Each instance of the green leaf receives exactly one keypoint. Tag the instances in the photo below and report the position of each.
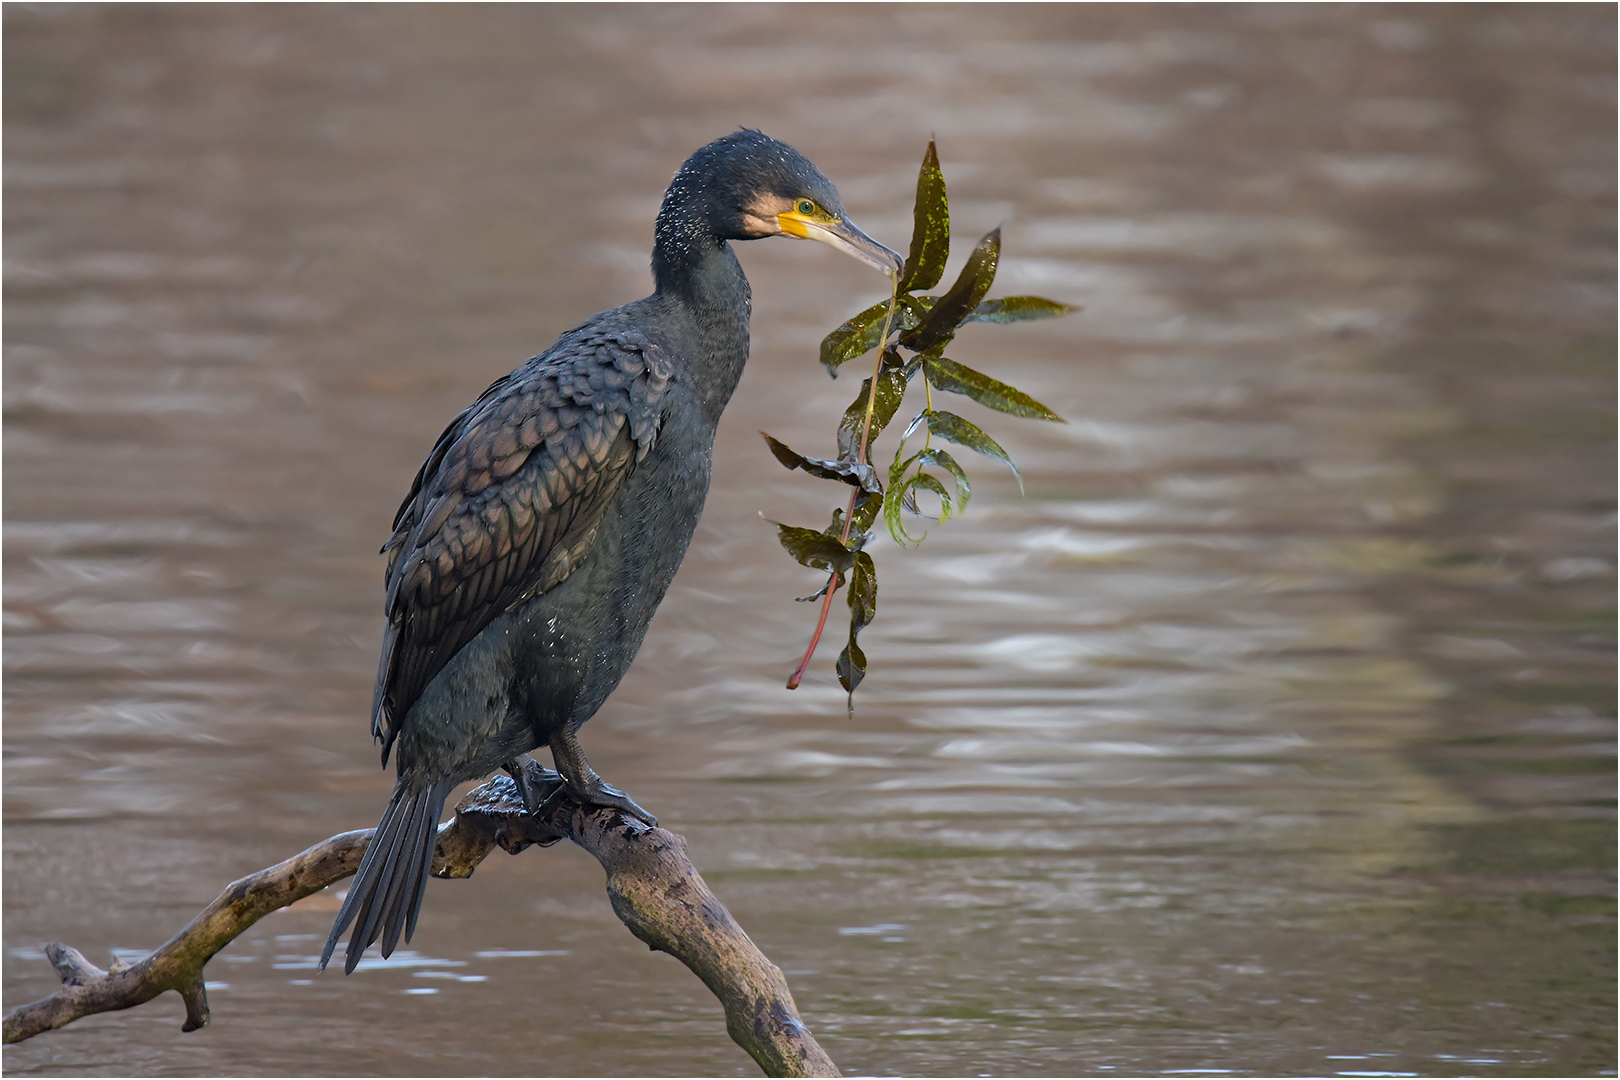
(894, 499)
(862, 608)
(868, 505)
(942, 458)
(891, 388)
(950, 310)
(902, 488)
(862, 592)
(928, 482)
(854, 473)
(959, 431)
(931, 234)
(913, 309)
(851, 667)
(860, 334)
(863, 331)
(1010, 309)
(956, 378)
(814, 549)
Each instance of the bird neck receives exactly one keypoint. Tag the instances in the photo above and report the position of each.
(701, 277)
(690, 259)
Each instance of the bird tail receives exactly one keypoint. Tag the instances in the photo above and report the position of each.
(386, 893)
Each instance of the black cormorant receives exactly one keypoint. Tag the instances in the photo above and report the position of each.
(544, 528)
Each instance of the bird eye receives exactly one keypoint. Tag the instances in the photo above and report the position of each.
(806, 207)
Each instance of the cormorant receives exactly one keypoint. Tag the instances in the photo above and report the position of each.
(544, 528)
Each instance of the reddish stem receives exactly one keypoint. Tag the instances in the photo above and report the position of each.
(849, 514)
(815, 638)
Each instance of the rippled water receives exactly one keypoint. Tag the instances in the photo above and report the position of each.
(1271, 731)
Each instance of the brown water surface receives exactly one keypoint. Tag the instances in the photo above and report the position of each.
(1270, 732)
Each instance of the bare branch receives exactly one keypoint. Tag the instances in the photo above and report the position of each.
(653, 887)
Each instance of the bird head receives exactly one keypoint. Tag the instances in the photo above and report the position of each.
(756, 186)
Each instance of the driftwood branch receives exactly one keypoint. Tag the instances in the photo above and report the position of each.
(653, 887)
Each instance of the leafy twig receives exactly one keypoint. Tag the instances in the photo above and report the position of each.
(922, 325)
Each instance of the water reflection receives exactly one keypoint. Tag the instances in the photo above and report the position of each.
(1272, 732)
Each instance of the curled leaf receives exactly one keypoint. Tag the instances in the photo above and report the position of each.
(854, 473)
(894, 500)
(928, 482)
(902, 492)
(957, 378)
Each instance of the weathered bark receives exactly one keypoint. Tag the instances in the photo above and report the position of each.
(651, 884)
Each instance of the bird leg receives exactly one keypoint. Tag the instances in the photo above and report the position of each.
(532, 800)
(582, 783)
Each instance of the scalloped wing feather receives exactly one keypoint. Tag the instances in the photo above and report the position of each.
(508, 503)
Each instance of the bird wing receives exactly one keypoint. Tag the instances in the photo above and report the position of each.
(508, 503)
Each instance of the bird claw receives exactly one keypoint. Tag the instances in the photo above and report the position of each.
(602, 794)
(582, 782)
(612, 796)
(525, 772)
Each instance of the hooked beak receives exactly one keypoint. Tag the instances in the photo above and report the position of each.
(844, 236)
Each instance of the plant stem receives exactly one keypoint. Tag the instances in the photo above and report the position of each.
(815, 638)
(861, 455)
(871, 395)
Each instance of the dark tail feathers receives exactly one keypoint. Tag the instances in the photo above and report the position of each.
(386, 893)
